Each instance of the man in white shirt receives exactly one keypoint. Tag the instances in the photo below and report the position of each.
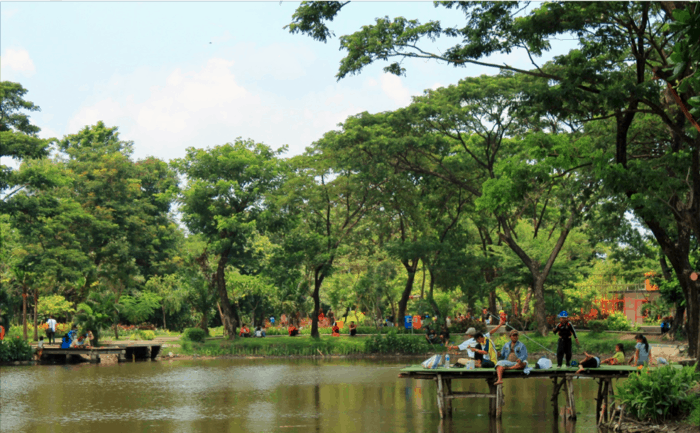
(51, 331)
(471, 342)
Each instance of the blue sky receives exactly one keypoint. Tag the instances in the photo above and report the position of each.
(150, 69)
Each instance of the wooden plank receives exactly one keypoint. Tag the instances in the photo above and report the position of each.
(470, 395)
(446, 396)
(572, 401)
(492, 401)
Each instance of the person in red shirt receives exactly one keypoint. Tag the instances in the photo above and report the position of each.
(245, 332)
(336, 330)
(293, 331)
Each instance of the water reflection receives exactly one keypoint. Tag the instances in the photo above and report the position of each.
(265, 395)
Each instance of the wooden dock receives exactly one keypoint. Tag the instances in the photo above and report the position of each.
(562, 379)
(124, 352)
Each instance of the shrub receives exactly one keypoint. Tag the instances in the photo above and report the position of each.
(15, 349)
(617, 321)
(659, 393)
(694, 418)
(147, 335)
(392, 342)
(460, 327)
(194, 334)
(597, 326)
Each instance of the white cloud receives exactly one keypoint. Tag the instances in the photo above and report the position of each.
(107, 110)
(18, 60)
(394, 89)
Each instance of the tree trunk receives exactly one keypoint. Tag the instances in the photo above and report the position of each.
(204, 323)
(229, 316)
(36, 305)
(540, 310)
(677, 319)
(24, 310)
(318, 281)
(677, 253)
(403, 302)
(165, 327)
(492, 303)
(526, 305)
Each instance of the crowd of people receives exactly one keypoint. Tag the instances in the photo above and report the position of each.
(479, 348)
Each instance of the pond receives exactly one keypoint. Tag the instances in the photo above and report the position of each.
(265, 395)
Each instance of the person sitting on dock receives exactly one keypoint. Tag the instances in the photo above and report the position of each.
(589, 362)
(245, 332)
(514, 356)
(336, 330)
(78, 343)
(484, 352)
(353, 329)
(471, 342)
(642, 355)
(618, 358)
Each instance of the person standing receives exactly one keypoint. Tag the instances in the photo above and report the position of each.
(51, 330)
(565, 330)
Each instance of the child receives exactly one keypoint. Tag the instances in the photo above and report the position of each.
(589, 362)
(336, 330)
(642, 355)
(293, 331)
(245, 332)
(618, 358)
(39, 348)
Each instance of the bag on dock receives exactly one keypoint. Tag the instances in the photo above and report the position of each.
(433, 362)
(544, 364)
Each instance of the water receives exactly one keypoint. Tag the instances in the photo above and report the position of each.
(265, 395)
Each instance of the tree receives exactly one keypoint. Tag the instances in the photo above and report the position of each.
(622, 49)
(18, 137)
(224, 201)
(131, 234)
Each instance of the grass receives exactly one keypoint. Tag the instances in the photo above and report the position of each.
(275, 347)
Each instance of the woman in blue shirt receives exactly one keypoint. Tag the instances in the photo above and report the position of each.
(642, 354)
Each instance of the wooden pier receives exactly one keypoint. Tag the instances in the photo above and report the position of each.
(124, 352)
(562, 379)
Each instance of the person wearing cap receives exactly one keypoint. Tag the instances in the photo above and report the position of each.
(471, 342)
(565, 330)
(514, 356)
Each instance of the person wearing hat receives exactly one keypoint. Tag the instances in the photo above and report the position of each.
(565, 330)
(471, 342)
(514, 356)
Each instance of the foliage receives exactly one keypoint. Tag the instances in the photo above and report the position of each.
(54, 305)
(694, 417)
(15, 349)
(617, 321)
(96, 313)
(395, 343)
(462, 326)
(147, 335)
(194, 334)
(597, 326)
(658, 393)
(137, 309)
(277, 347)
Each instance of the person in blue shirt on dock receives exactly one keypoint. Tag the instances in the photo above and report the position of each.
(514, 356)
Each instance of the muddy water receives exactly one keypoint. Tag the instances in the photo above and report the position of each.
(265, 395)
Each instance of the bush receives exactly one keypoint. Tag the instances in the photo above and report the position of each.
(659, 393)
(617, 321)
(147, 335)
(694, 418)
(597, 326)
(461, 327)
(194, 334)
(15, 349)
(395, 343)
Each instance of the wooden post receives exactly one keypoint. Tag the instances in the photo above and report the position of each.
(599, 401)
(611, 393)
(499, 401)
(555, 396)
(448, 382)
(570, 397)
(492, 401)
(440, 398)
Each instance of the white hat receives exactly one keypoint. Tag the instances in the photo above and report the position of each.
(471, 331)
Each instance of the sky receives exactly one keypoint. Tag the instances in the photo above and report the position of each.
(173, 75)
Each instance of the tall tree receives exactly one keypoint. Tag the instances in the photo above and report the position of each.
(224, 201)
(18, 136)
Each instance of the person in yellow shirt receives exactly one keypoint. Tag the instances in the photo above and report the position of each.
(618, 358)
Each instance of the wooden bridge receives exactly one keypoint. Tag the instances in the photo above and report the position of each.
(562, 379)
(124, 352)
